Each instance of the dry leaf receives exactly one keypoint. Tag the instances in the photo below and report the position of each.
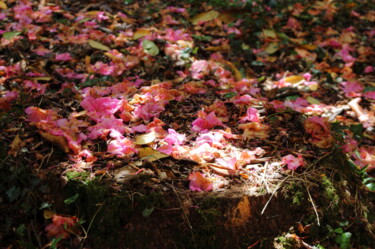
(47, 214)
(15, 146)
(145, 138)
(98, 45)
(272, 48)
(204, 17)
(151, 154)
(141, 33)
(312, 100)
(57, 140)
(43, 78)
(294, 79)
(269, 33)
(3, 5)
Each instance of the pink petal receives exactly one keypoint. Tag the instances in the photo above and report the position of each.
(199, 183)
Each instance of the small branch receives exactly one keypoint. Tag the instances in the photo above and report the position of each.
(274, 192)
(313, 205)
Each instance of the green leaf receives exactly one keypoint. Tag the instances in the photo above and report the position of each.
(21, 230)
(369, 89)
(55, 242)
(150, 47)
(229, 95)
(339, 230)
(13, 193)
(98, 45)
(357, 130)
(147, 211)
(371, 186)
(71, 199)
(344, 240)
(10, 34)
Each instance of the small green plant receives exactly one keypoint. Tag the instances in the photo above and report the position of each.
(341, 237)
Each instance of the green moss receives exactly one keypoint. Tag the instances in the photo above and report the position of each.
(296, 193)
(285, 242)
(77, 176)
(329, 192)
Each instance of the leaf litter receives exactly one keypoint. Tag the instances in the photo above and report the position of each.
(243, 103)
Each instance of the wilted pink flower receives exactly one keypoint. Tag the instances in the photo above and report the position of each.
(101, 107)
(172, 9)
(35, 114)
(175, 35)
(345, 54)
(103, 68)
(252, 115)
(63, 57)
(228, 164)
(293, 162)
(174, 138)
(107, 126)
(121, 147)
(351, 89)
(41, 51)
(199, 69)
(33, 85)
(369, 69)
(350, 145)
(101, 16)
(60, 226)
(369, 95)
(320, 132)
(149, 110)
(214, 139)
(198, 182)
(205, 122)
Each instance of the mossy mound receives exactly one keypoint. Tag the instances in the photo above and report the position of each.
(313, 207)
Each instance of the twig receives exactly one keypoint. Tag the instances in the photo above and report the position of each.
(274, 192)
(314, 207)
(185, 215)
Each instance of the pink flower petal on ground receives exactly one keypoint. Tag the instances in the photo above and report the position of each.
(293, 162)
(35, 114)
(121, 147)
(114, 127)
(174, 138)
(369, 69)
(214, 139)
(198, 182)
(199, 69)
(318, 128)
(351, 89)
(63, 57)
(369, 95)
(99, 107)
(149, 110)
(205, 122)
(229, 164)
(252, 115)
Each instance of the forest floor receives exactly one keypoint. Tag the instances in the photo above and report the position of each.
(182, 124)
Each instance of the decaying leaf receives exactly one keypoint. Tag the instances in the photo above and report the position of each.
(60, 141)
(295, 79)
(204, 17)
(151, 154)
(141, 33)
(98, 45)
(145, 138)
(3, 5)
(15, 146)
(150, 47)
